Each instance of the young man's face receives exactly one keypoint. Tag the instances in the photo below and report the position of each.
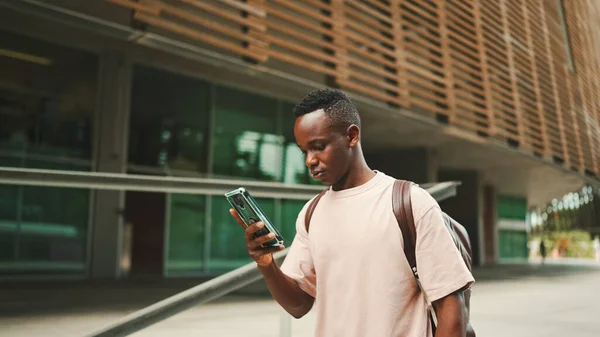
(328, 152)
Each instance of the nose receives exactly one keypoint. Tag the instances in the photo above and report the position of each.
(311, 160)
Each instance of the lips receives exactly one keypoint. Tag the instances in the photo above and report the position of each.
(317, 174)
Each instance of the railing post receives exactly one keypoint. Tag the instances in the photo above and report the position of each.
(285, 324)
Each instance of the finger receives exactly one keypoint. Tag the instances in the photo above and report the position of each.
(272, 250)
(237, 218)
(258, 253)
(255, 227)
(256, 243)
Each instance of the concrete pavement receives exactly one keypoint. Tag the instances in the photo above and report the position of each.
(515, 301)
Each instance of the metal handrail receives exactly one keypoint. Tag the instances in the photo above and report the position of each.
(207, 291)
(147, 183)
(219, 286)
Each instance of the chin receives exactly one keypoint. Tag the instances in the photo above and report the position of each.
(326, 181)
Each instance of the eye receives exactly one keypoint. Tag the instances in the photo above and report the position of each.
(319, 147)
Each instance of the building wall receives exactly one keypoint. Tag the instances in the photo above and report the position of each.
(521, 72)
(501, 81)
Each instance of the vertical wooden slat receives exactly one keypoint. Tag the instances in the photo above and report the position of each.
(449, 78)
(496, 55)
(553, 84)
(484, 68)
(575, 13)
(547, 99)
(370, 45)
(546, 150)
(339, 40)
(588, 24)
(422, 50)
(401, 72)
(594, 21)
(573, 112)
(561, 70)
(523, 143)
(583, 89)
(257, 45)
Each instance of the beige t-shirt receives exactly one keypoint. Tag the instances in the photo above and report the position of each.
(353, 262)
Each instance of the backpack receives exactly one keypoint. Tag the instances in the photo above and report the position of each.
(402, 208)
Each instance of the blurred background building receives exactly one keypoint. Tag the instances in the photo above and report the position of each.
(502, 95)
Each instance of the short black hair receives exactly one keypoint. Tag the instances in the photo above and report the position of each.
(337, 106)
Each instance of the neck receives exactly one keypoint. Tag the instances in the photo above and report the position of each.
(358, 174)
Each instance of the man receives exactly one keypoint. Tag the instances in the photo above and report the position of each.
(353, 262)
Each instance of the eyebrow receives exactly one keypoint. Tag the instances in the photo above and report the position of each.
(317, 140)
(320, 139)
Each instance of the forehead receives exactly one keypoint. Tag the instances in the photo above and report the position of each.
(311, 125)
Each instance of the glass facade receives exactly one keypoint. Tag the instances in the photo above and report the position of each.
(512, 244)
(47, 102)
(512, 228)
(246, 142)
(227, 245)
(169, 123)
(178, 126)
(186, 234)
(289, 214)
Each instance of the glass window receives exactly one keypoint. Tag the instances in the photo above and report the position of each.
(169, 123)
(47, 100)
(294, 164)
(294, 167)
(289, 214)
(47, 103)
(246, 143)
(46, 231)
(9, 215)
(227, 244)
(187, 218)
(53, 226)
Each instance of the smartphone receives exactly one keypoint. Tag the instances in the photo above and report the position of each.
(248, 209)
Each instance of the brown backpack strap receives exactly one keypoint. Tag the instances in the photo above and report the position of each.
(311, 209)
(403, 210)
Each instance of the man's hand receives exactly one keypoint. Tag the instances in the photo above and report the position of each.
(451, 316)
(284, 289)
(262, 256)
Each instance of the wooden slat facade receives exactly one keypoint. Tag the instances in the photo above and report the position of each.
(496, 68)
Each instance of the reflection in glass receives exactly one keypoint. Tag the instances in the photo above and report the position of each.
(47, 229)
(260, 153)
(246, 143)
(169, 123)
(294, 166)
(187, 217)
(47, 99)
(227, 244)
(47, 103)
(289, 214)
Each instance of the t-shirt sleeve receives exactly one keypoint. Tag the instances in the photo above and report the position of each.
(441, 268)
(298, 263)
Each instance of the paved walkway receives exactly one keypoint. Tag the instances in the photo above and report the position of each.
(514, 301)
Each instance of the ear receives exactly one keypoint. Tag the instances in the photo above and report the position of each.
(353, 135)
